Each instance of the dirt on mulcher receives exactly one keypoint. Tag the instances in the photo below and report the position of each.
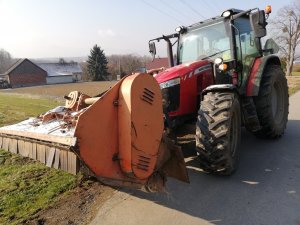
(78, 207)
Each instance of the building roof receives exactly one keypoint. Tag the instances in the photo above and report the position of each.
(16, 64)
(60, 69)
(158, 63)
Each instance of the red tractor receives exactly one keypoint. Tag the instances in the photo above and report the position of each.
(227, 79)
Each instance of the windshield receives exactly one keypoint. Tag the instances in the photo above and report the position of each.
(205, 42)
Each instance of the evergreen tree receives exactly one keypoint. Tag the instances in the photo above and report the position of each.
(97, 64)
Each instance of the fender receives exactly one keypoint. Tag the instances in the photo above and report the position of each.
(219, 87)
(257, 72)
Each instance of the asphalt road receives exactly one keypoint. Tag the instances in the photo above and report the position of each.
(264, 190)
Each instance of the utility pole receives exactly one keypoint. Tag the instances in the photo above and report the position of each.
(119, 65)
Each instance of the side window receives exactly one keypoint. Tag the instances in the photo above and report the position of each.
(247, 49)
(246, 38)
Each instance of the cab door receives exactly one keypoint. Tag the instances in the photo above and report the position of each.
(247, 48)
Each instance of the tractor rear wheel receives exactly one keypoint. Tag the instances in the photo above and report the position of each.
(218, 133)
(272, 103)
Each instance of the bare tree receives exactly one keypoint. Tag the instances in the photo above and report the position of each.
(62, 61)
(5, 60)
(85, 75)
(286, 29)
(126, 64)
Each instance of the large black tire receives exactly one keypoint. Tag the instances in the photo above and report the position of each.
(218, 133)
(272, 103)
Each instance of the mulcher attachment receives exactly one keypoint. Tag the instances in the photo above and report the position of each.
(43, 139)
(116, 136)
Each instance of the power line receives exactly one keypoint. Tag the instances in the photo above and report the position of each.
(216, 3)
(210, 6)
(162, 12)
(178, 12)
(191, 8)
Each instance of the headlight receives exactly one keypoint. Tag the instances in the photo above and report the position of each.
(226, 14)
(218, 61)
(170, 83)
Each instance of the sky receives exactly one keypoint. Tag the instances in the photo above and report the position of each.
(70, 28)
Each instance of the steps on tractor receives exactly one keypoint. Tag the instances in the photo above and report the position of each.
(249, 114)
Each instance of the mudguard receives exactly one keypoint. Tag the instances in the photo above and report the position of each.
(218, 87)
(257, 71)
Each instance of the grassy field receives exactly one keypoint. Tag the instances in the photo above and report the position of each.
(294, 84)
(295, 73)
(59, 90)
(26, 186)
(15, 108)
(296, 70)
(93, 88)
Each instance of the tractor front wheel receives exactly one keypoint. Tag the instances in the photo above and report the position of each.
(218, 133)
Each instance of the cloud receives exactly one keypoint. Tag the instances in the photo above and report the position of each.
(106, 33)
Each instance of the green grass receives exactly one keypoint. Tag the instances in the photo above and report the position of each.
(27, 186)
(294, 89)
(294, 84)
(295, 73)
(14, 108)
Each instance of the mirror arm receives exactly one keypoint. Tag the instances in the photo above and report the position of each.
(163, 37)
(169, 46)
(169, 51)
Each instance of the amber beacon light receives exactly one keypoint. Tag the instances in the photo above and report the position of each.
(268, 9)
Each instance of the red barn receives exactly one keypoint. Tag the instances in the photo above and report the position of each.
(25, 73)
(158, 63)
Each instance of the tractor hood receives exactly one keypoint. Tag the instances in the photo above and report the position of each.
(181, 71)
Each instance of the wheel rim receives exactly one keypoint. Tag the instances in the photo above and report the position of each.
(277, 102)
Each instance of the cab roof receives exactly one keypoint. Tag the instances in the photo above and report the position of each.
(215, 19)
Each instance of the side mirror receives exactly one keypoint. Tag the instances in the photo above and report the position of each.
(152, 49)
(258, 23)
(271, 45)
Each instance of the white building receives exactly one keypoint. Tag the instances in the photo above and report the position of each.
(58, 73)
